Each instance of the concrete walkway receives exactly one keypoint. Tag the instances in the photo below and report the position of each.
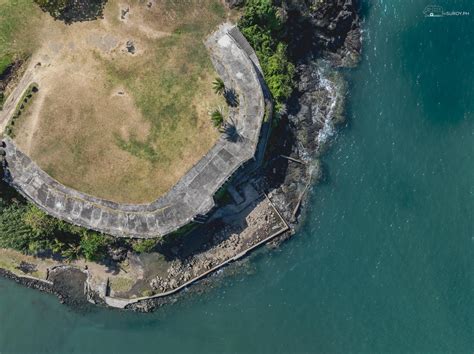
(193, 194)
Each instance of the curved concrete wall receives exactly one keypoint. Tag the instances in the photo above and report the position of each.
(193, 194)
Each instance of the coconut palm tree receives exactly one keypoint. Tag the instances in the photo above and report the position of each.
(72, 252)
(218, 86)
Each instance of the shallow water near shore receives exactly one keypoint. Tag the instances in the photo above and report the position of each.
(384, 260)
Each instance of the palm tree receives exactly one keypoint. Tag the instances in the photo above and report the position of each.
(72, 252)
(218, 86)
(217, 117)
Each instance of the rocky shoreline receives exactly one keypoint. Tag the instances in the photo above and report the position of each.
(66, 285)
(332, 38)
(313, 114)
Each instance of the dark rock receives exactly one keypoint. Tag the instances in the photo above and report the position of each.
(330, 29)
(130, 47)
(117, 254)
(69, 286)
(27, 267)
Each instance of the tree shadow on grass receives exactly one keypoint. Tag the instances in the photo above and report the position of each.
(71, 11)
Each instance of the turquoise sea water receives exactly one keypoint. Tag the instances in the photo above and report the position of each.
(384, 261)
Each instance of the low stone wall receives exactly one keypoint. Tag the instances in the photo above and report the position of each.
(193, 194)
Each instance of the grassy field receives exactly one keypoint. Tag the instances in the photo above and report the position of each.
(122, 110)
(18, 20)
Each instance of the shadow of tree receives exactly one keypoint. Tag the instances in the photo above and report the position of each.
(231, 132)
(231, 97)
(71, 11)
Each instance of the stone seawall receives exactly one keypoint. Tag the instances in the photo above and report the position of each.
(193, 194)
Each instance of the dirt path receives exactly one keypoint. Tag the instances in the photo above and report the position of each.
(34, 120)
(15, 96)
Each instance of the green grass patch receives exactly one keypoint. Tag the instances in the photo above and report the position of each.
(164, 86)
(17, 29)
(144, 246)
(5, 62)
(18, 35)
(120, 284)
(137, 148)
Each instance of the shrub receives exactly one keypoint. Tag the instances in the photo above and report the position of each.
(2, 100)
(218, 86)
(217, 118)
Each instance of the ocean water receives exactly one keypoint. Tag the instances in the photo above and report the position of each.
(384, 261)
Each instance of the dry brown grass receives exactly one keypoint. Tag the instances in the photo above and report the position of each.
(121, 126)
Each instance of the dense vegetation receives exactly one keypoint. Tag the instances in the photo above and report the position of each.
(26, 228)
(263, 27)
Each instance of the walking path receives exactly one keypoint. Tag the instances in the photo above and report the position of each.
(193, 194)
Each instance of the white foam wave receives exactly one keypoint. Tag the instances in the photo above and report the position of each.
(328, 130)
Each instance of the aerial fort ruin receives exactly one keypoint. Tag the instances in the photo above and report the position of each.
(192, 197)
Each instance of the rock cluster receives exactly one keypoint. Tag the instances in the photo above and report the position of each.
(328, 28)
(226, 243)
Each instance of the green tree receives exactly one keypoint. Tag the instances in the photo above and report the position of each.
(263, 14)
(14, 233)
(280, 73)
(93, 246)
(218, 86)
(42, 224)
(72, 252)
(54, 7)
(262, 25)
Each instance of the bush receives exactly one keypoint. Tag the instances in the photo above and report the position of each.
(144, 246)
